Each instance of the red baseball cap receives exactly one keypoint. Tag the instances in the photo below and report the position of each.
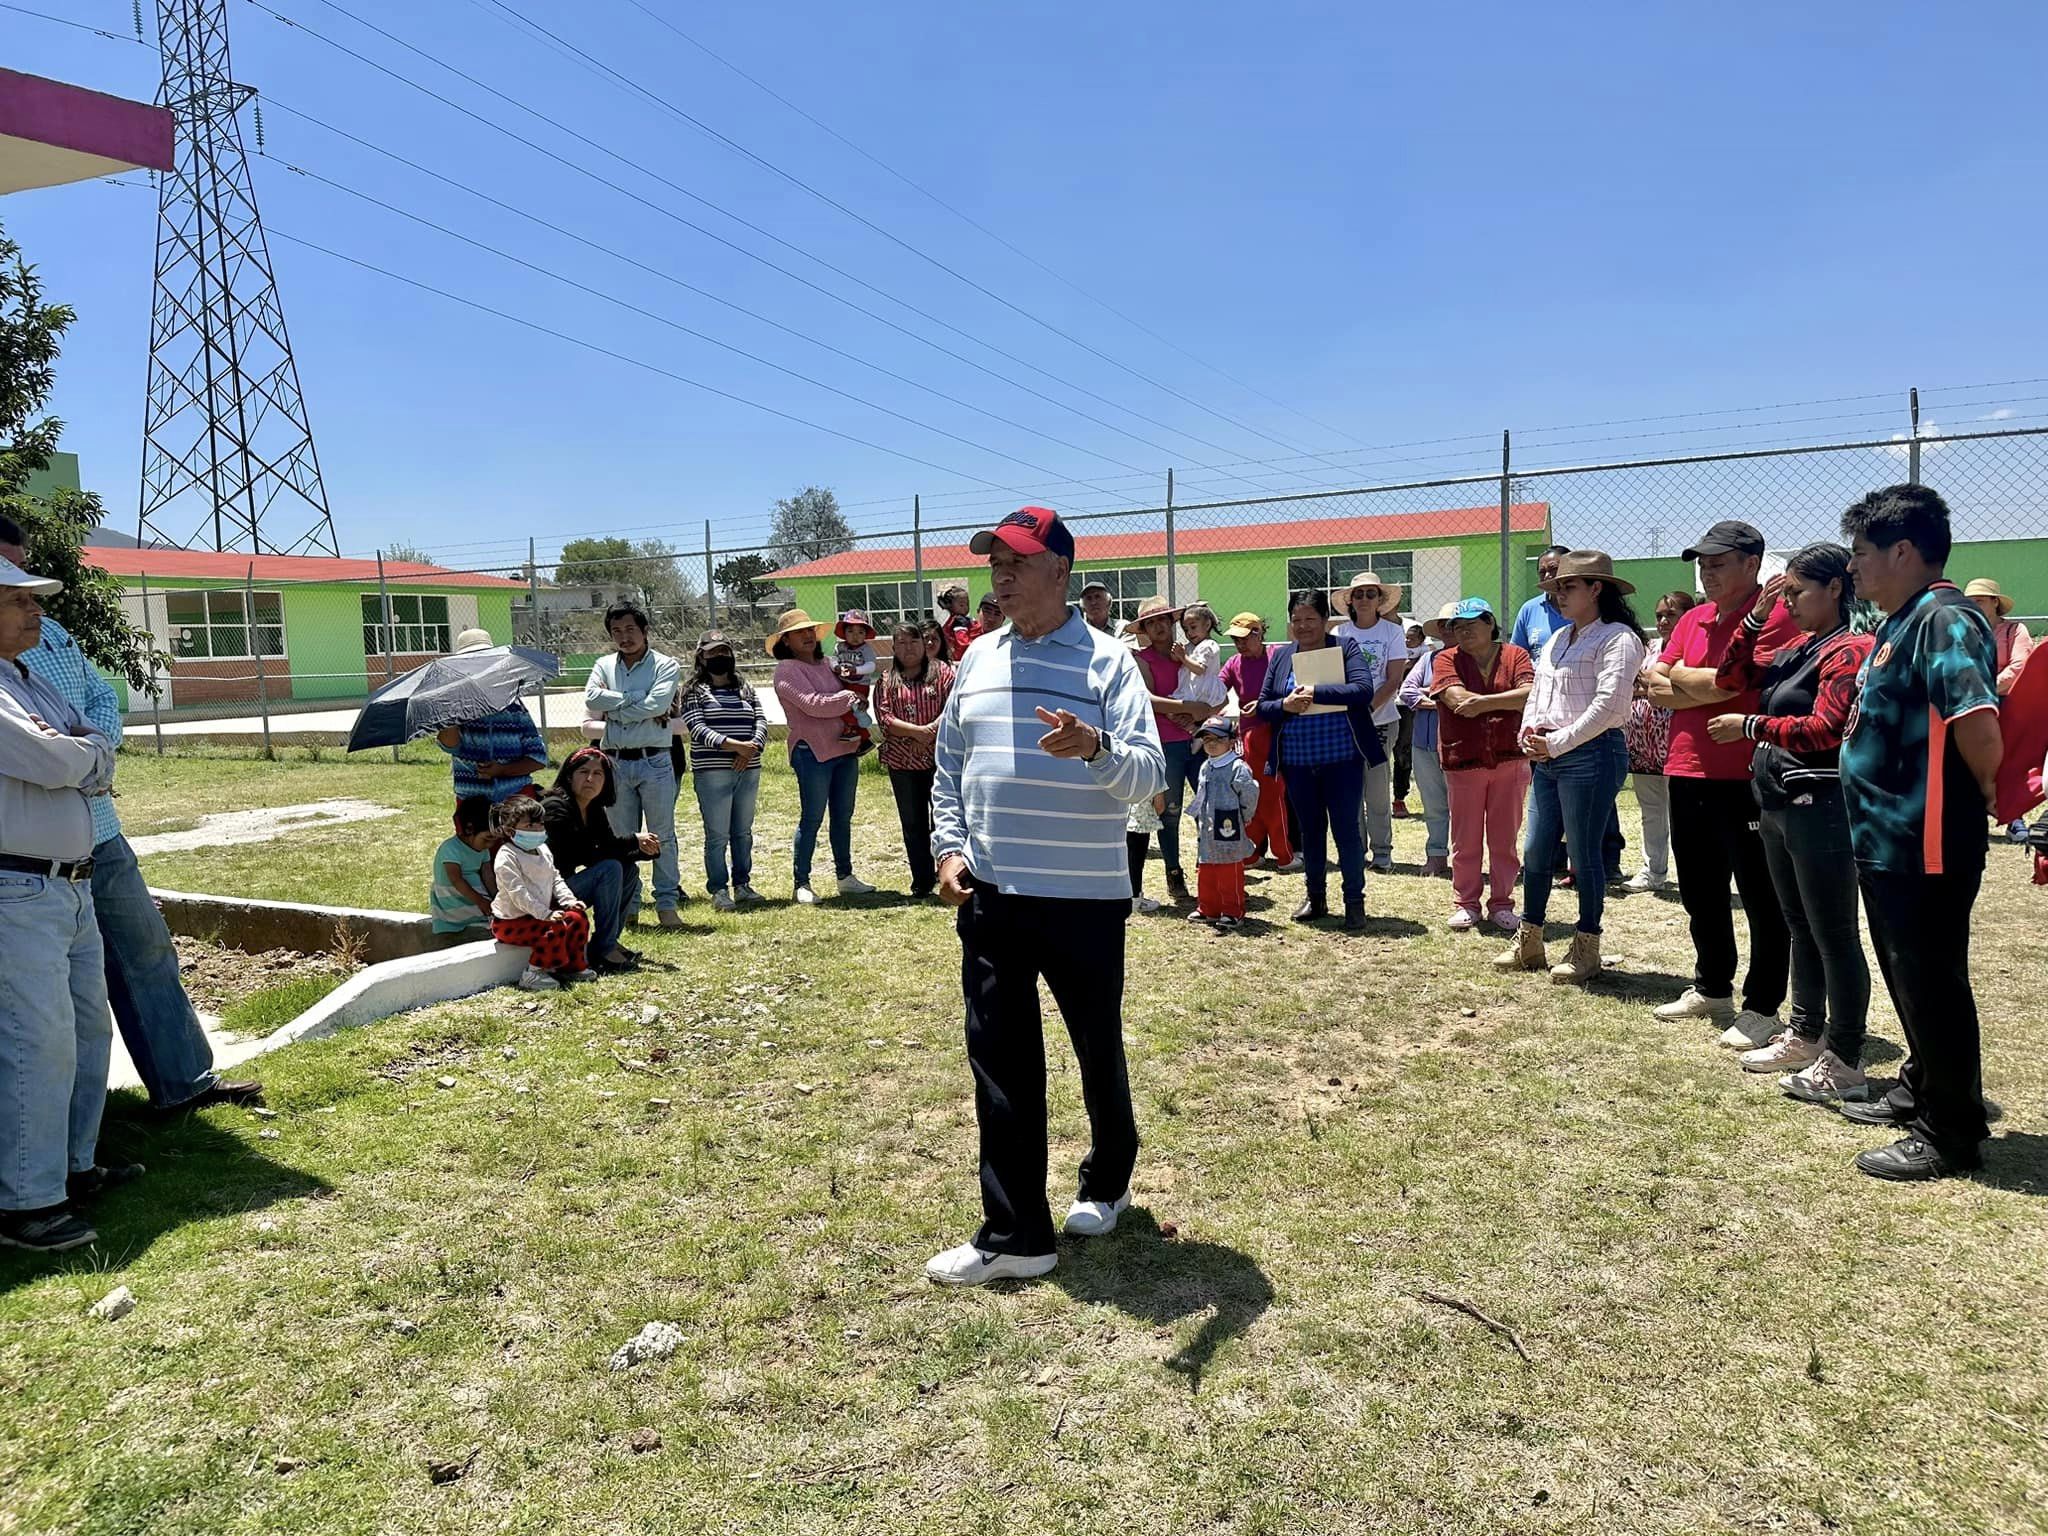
(1029, 531)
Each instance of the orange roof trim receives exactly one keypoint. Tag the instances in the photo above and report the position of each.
(1242, 538)
(165, 565)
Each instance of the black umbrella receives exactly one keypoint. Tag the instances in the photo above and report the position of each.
(448, 691)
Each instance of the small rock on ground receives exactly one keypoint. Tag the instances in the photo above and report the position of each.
(656, 1341)
(644, 1440)
(115, 1305)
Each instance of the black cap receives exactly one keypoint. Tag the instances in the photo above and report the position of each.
(1727, 538)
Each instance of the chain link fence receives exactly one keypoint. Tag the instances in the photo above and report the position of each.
(276, 647)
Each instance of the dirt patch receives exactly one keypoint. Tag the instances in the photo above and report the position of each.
(217, 977)
(260, 825)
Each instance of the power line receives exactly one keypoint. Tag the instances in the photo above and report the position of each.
(656, 176)
(683, 283)
(975, 224)
(82, 26)
(892, 237)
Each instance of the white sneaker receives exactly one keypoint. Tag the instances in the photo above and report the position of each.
(531, 980)
(1293, 866)
(1752, 1031)
(1143, 904)
(1095, 1218)
(744, 892)
(806, 897)
(1463, 919)
(969, 1265)
(721, 901)
(1643, 880)
(1786, 1052)
(1694, 1004)
(853, 886)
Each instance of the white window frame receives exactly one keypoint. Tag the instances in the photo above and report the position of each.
(1122, 608)
(1351, 562)
(211, 601)
(886, 617)
(434, 636)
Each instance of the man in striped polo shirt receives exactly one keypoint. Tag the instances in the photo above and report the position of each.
(1046, 740)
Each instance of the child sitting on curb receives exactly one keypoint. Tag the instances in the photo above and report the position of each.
(534, 907)
(464, 884)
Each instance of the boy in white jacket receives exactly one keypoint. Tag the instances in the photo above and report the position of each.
(534, 906)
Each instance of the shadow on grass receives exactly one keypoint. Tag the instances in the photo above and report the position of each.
(2016, 1161)
(1159, 1280)
(197, 1170)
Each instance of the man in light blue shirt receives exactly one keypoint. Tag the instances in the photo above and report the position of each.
(635, 691)
(157, 1021)
(1046, 741)
(1538, 619)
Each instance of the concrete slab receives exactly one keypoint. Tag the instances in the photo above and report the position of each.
(228, 1051)
(416, 981)
(245, 923)
(260, 826)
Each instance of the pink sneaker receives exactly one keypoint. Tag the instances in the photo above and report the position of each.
(1829, 1080)
(1784, 1052)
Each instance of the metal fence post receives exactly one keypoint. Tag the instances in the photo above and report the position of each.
(1172, 578)
(256, 650)
(1506, 529)
(710, 587)
(384, 634)
(156, 715)
(1913, 447)
(540, 689)
(917, 555)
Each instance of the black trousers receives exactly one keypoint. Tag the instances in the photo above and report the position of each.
(1714, 837)
(913, 790)
(1808, 850)
(1404, 753)
(1136, 846)
(1920, 928)
(1006, 944)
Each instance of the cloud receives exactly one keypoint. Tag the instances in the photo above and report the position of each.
(1900, 447)
(2003, 413)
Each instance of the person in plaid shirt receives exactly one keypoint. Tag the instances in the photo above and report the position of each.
(909, 696)
(158, 1024)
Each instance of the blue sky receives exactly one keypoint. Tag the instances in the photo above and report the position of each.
(1407, 223)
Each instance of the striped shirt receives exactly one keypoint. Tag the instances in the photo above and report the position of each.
(1584, 685)
(918, 703)
(1026, 822)
(716, 716)
(502, 737)
(58, 661)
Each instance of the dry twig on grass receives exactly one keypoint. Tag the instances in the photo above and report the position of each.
(1459, 1304)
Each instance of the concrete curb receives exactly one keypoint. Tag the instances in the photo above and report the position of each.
(414, 981)
(258, 926)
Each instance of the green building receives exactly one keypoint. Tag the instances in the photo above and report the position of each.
(1436, 556)
(311, 626)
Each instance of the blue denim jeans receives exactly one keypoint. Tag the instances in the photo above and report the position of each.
(158, 1025)
(1428, 771)
(602, 888)
(1327, 801)
(54, 1038)
(1573, 794)
(823, 788)
(1183, 772)
(647, 791)
(726, 798)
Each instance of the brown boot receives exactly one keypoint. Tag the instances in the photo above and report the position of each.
(1581, 961)
(1526, 953)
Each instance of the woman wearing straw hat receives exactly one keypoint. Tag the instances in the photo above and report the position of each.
(1176, 720)
(1374, 604)
(1572, 733)
(826, 764)
(2015, 642)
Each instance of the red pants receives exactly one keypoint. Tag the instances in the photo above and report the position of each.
(559, 943)
(1268, 826)
(1219, 889)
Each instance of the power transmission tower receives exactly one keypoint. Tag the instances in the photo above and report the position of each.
(227, 454)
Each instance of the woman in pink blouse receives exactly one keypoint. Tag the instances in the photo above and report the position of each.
(910, 695)
(826, 764)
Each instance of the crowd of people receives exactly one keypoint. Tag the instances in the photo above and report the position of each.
(1037, 751)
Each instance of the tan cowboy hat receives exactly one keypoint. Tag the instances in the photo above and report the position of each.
(1984, 586)
(1390, 592)
(1151, 608)
(1587, 564)
(792, 621)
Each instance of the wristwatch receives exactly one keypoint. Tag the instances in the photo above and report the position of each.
(1098, 747)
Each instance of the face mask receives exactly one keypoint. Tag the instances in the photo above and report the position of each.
(718, 666)
(529, 839)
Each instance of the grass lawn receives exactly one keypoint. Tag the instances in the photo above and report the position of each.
(1728, 1329)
